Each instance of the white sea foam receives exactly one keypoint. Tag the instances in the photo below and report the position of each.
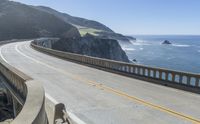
(180, 45)
(141, 48)
(137, 44)
(128, 49)
(132, 41)
(140, 43)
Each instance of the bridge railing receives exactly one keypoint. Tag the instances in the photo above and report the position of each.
(28, 93)
(177, 79)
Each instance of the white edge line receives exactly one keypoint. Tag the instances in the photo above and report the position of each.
(1, 55)
(51, 98)
(71, 115)
(75, 118)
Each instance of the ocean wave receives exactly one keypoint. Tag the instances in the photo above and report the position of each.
(198, 51)
(141, 48)
(140, 43)
(180, 45)
(128, 49)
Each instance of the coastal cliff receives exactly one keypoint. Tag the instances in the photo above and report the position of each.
(92, 46)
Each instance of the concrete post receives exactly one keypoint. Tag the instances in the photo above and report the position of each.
(180, 79)
(149, 72)
(188, 80)
(142, 70)
(133, 70)
(60, 114)
(173, 77)
(9, 97)
(197, 82)
(129, 67)
(166, 76)
(154, 73)
(14, 107)
(160, 75)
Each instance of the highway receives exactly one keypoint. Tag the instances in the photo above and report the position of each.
(98, 97)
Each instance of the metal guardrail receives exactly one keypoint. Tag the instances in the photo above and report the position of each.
(177, 79)
(29, 93)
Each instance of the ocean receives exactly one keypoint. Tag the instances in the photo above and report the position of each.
(182, 55)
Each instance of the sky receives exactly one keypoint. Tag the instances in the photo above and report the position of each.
(133, 17)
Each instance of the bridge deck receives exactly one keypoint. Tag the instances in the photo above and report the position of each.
(101, 97)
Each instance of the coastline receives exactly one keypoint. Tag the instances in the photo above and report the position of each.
(182, 54)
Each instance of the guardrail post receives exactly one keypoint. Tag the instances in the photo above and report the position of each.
(129, 69)
(197, 82)
(160, 75)
(188, 80)
(136, 70)
(14, 107)
(173, 77)
(109, 65)
(133, 69)
(154, 74)
(166, 76)
(149, 72)
(60, 114)
(142, 71)
(180, 78)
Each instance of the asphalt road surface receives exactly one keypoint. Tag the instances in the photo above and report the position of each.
(98, 97)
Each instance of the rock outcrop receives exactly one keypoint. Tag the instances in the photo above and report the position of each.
(92, 46)
(110, 35)
(131, 38)
(166, 42)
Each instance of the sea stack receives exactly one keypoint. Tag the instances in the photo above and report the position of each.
(166, 42)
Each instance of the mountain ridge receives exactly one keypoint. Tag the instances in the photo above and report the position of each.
(20, 21)
(88, 26)
(78, 21)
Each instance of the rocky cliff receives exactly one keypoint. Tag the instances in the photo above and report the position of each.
(92, 46)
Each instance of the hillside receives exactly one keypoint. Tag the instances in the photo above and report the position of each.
(76, 21)
(18, 21)
(87, 26)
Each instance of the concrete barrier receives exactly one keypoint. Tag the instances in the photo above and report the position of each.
(29, 93)
(33, 111)
(56, 112)
(177, 79)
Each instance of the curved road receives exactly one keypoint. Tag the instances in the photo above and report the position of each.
(99, 97)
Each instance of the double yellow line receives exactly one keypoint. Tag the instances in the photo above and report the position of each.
(117, 92)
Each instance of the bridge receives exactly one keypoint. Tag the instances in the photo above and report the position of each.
(94, 90)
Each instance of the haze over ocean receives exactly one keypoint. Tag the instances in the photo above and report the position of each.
(183, 54)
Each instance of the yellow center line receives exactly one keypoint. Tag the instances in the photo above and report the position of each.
(117, 92)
